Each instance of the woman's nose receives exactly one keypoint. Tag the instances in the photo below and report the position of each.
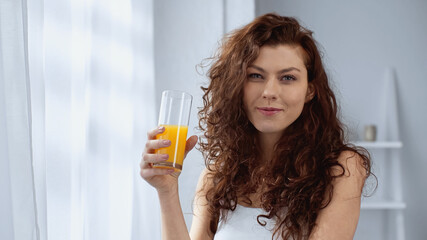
(270, 90)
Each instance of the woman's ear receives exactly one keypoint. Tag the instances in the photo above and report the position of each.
(310, 92)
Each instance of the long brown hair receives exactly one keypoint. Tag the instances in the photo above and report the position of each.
(297, 183)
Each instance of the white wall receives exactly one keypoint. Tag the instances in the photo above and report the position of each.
(360, 40)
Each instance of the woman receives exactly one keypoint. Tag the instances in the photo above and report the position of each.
(277, 166)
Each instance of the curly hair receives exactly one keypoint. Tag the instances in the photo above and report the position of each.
(297, 183)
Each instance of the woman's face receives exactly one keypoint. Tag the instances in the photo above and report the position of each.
(276, 88)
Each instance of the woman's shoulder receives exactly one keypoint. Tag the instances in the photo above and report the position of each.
(350, 175)
(205, 179)
(353, 164)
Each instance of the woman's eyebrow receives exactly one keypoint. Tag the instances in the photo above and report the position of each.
(280, 71)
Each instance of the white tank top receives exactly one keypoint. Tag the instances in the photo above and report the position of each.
(242, 224)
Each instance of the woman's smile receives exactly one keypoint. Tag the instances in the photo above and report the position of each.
(269, 111)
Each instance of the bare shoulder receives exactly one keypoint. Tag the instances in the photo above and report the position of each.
(338, 220)
(353, 164)
(205, 181)
(350, 179)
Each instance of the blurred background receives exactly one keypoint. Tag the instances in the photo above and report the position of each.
(81, 81)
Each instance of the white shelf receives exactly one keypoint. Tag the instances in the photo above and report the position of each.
(387, 153)
(383, 205)
(380, 144)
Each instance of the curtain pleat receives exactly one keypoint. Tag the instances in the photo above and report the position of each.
(18, 218)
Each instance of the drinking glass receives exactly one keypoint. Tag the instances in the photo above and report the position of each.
(174, 115)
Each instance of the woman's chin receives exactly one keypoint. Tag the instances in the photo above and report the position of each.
(270, 129)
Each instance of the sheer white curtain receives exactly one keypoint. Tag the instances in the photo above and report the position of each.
(77, 100)
(17, 202)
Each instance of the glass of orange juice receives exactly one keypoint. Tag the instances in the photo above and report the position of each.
(174, 115)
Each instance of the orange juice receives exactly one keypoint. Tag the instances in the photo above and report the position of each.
(178, 136)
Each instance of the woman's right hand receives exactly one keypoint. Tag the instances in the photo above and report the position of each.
(157, 177)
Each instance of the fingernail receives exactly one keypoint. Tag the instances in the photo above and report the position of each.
(165, 156)
(166, 142)
(161, 128)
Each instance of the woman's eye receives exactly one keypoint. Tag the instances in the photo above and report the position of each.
(289, 78)
(255, 76)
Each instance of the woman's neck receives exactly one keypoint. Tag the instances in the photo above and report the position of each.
(268, 142)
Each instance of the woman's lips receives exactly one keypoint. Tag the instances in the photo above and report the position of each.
(268, 111)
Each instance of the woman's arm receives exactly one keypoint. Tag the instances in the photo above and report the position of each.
(339, 219)
(173, 224)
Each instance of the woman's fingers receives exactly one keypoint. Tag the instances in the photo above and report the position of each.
(151, 145)
(149, 157)
(152, 133)
(151, 172)
(154, 158)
